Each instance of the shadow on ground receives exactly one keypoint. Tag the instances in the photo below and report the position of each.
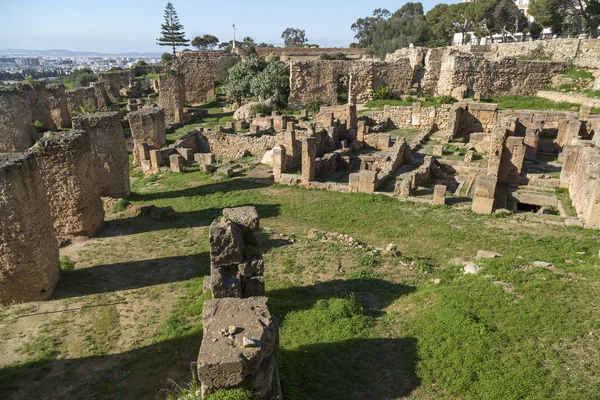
(130, 275)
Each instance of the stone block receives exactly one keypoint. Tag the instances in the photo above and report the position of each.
(439, 195)
(185, 153)
(176, 162)
(246, 216)
(226, 244)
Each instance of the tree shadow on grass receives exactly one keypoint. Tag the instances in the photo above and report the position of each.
(130, 275)
(374, 369)
(183, 219)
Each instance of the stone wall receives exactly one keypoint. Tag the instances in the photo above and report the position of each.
(228, 146)
(29, 261)
(39, 98)
(16, 130)
(584, 184)
(199, 67)
(91, 99)
(148, 126)
(499, 77)
(68, 176)
(109, 151)
(115, 81)
(58, 104)
(304, 51)
(172, 94)
(323, 81)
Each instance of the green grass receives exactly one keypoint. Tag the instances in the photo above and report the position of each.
(531, 103)
(66, 264)
(575, 73)
(430, 102)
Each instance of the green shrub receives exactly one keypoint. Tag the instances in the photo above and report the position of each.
(233, 394)
(120, 205)
(445, 99)
(314, 106)
(261, 108)
(141, 63)
(66, 264)
(335, 56)
(222, 69)
(39, 127)
(381, 93)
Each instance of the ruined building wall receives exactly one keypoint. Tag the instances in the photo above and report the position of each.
(29, 261)
(148, 126)
(39, 98)
(228, 146)
(71, 189)
(199, 68)
(584, 185)
(109, 151)
(16, 130)
(59, 110)
(505, 76)
(172, 94)
(115, 81)
(322, 81)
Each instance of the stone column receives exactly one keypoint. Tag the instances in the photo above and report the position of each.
(309, 153)
(570, 155)
(172, 94)
(29, 261)
(495, 153)
(278, 162)
(513, 155)
(439, 195)
(532, 139)
(485, 190)
(68, 176)
(109, 151)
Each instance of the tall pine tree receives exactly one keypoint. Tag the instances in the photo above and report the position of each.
(172, 30)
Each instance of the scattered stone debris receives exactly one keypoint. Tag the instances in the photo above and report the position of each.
(481, 254)
(156, 213)
(471, 268)
(344, 239)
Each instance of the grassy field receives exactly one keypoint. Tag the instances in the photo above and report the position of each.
(125, 323)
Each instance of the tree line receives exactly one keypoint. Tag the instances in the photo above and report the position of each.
(383, 32)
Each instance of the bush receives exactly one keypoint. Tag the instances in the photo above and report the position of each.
(66, 264)
(141, 63)
(261, 108)
(120, 205)
(335, 56)
(84, 79)
(222, 68)
(233, 394)
(39, 127)
(445, 100)
(166, 58)
(381, 93)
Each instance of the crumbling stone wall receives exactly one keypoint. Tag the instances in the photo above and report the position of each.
(584, 184)
(59, 109)
(39, 98)
(29, 263)
(233, 272)
(199, 68)
(148, 126)
(228, 146)
(238, 348)
(71, 189)
(504, 76)
(322, 81)
(346, 113)
(172, 94)
(115, 81)
(109, 151)
(91, 99)
(16, 130)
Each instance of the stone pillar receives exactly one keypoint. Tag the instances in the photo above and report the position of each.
(239, 342)
(496, 147)
(59, 108)
(416, 114)
(485, 190)
(29, 261)
(289, 141)
(570, 156)
(109, 151)
(353, 181)
(592, 216)
(155, 160)
(513, 155)
(309, 153)
(148, 125)
(532, 139)
(439, 195)
(68, 176)
(366, 181)
(361, 131)
(16, 130)
(172, 94)
(568, 132)
(176, 162)
(327, 119)
(333, 139)
(278, 162)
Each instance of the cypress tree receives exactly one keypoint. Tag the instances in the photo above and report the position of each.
(172, 30)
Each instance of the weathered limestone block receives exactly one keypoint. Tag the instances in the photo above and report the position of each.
(485, 190)
(532, 140)
(366, 181)
(226, 244)
(439, 195)
(497, 138)
(402, 188)
(68, 176)
(16, 129)
(438, 151)
(148, 125)
(279, 155)
(186, 153)
(309, 153)
(176, 162)
(383, 141)
(109, 151)
(570, 155)
(29, 263)
(238, 347)
(246, 216)
(511, 164)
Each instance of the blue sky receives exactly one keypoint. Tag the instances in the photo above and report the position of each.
(133, 25)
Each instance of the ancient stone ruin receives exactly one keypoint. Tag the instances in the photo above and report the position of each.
(71, 187)
(109, 151)
(235, 268)
(148, 126)
(29, 264)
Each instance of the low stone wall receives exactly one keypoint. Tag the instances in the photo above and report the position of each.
(115, 81)
(307, 51)
(109, 151)
(229, 145)
(29, 261)
(68, 176)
